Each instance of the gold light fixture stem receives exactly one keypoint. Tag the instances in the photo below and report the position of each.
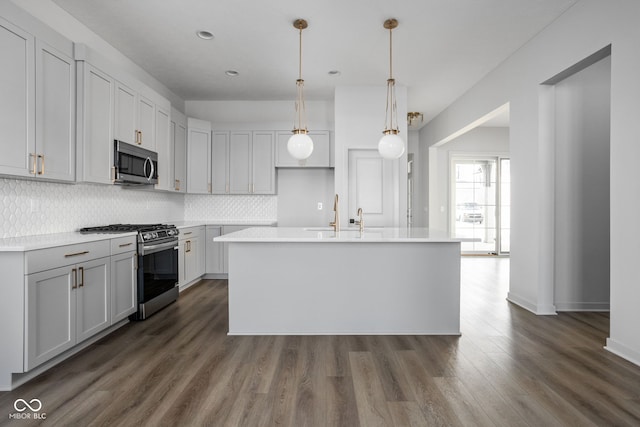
(391, 119)
(301, 125)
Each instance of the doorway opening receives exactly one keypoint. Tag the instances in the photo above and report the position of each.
(480, 203)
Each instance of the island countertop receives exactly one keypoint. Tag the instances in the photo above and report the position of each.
(349, 235)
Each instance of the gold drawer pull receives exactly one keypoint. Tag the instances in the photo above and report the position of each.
(41, 171)
(35, 157)
(76, 254)
(81, 270)
(74, 285)
(125, 245)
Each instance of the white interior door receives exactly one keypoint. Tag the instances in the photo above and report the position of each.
(371, 188)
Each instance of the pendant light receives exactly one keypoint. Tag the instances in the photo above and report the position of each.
(300, 145)
(391, 145)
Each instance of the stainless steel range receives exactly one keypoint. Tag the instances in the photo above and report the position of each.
(157, 264)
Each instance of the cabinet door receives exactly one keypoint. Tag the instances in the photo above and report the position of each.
(201, 248)
(93, 299)
(320, 157)
(199, 161)
(220, 163)
(190, 247)
(214, 251)
(180, 158)
(263, 171)
(96, 107)
(146, 123)
(50, 314)
(239, 163)
(17, 103)
(55, 114)
(164, 149)
(125, 114)
(123, 286)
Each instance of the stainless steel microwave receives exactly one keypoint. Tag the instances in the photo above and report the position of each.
(134, 165)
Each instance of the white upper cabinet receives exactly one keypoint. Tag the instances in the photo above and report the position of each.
(114, 106)
(125, 124)
(17, 104)
(146, 123)
(135, 118)
(220, 163)
(165, 150)
(320, 157)
(95, 125)
(37, 107)
(243, 162)
(198, 156)
(263, 172)
(178, 133)
(240, 163)
(55, 113)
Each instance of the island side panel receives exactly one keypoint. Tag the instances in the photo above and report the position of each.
(361, 288)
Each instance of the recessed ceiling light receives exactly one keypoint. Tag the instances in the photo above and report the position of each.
(334, 73)
(205, 35)
(232, 73)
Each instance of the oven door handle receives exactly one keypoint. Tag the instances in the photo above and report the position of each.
(157, 248)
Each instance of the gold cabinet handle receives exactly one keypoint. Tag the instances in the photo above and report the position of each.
(188, 233)
(81, 270)
(41, 171)
(140, 133)
(176, 185)
(76, 254)
(33, 170)
(113, 174)
(74, 279)
(124, 245)
(187, 246)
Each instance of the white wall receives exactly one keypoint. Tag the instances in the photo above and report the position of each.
(587, 27)
(359, 121)
(479, 141)
(299, 191)
(582, 107)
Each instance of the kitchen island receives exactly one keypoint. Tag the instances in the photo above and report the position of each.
(314, 281)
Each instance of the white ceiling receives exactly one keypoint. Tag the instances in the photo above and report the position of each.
(441, 47)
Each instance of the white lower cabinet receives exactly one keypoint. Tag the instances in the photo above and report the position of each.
(191, 255)
(65, 306)
(123, 285)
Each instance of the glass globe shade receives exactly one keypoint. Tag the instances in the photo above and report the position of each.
(391, 146)
(300, 146)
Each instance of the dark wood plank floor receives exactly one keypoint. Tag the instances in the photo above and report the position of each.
(509, 368)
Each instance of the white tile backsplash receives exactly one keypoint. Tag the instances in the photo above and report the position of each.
(230, 208)
(32, 207)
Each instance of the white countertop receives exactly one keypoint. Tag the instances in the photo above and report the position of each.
(257, 223)
(327, 235)
(43, 241)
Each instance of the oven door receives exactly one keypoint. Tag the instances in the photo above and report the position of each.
(157, 270)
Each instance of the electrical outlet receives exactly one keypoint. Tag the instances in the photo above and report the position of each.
(319, 206)
(34, 205)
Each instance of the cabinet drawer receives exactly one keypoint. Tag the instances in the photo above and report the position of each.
(190, 232)
(123, 244)
(59, 256)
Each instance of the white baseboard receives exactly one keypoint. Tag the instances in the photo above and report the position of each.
(582, 306)
(530, 306)
(623, 351)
